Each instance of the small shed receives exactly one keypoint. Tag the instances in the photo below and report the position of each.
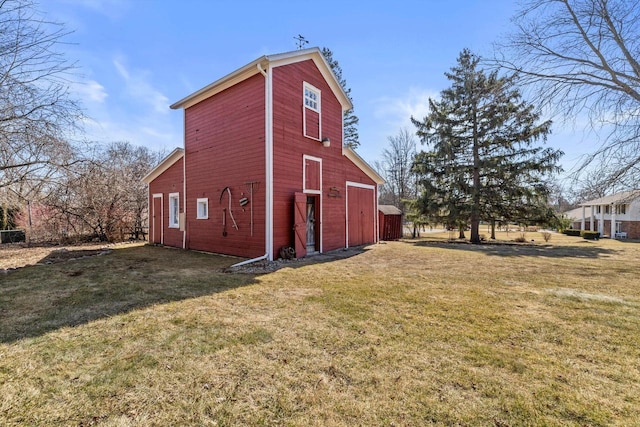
(390, 220)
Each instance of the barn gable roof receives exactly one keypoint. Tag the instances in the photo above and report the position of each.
(262, 63)
(165, 164)
(350, 154)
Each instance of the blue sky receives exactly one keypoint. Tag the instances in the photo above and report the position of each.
(137, 57)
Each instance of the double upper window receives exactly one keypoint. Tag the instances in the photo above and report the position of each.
(311, 98)
(311, 111)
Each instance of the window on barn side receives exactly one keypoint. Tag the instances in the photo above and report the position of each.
(311, 98)
(311, 111)
(174, 210)
(202, 208)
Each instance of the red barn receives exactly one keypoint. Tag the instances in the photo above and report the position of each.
(263, 166)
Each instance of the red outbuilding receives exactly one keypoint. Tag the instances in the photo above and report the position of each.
(389, 222)
(264, 167)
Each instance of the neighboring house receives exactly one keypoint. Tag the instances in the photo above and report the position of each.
(390, 222)
(617, 216)
(263, 166)
(575, 216)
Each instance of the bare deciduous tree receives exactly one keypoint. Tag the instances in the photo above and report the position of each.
(582, 57)
(35, 106)
(104, 196)
(397, 159)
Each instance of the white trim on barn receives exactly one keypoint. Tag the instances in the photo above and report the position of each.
(174, 217)
(153, 207)
(164, 164)
(271, 61)
(375, 210)
(317, 108)
(306, 157)
(268, 232)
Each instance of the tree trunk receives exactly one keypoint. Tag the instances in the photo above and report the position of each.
(475, 206)
(493, 229)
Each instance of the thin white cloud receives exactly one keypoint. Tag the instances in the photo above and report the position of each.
(126, 106)
(90, 91)
(397, 111)
(121, 69)
(161, 135)
(137, 86)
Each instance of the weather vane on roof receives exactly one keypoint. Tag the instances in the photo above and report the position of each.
(301, 41)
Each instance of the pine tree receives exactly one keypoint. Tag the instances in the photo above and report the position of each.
(350, 120)
(482, 162)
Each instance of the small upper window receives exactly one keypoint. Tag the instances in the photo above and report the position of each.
(311, 98)
(174, 210)
(202, 209)
(621, 209)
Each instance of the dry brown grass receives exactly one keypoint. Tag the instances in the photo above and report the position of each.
(405, 333)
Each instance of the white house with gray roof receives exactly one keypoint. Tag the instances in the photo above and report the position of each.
(616, 216)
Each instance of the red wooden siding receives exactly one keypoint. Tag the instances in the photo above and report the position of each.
(300, 224)
(225, 147)
(361, 215)
(312, 124)
(312, 175)
(290, 145)
(390, 226)
(170, 181)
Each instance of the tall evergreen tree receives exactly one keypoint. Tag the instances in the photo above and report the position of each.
(482, 162)
(350, 120)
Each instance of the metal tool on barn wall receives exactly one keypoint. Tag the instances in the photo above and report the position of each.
(224, 222)
(235, 225)
(251, 187)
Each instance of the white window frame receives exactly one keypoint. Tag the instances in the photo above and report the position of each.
(306, 157)
(308, 100)
(318, 109)
(202, 202)
(174, 217)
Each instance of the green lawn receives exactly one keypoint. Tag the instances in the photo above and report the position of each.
(403, 333)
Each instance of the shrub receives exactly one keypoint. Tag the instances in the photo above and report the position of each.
(546, 236)
(521, 238)
(571, 232)
(590, 235)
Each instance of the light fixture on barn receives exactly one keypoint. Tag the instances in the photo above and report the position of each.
(326, 142)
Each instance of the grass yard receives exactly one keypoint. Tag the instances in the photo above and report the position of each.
(404, 333)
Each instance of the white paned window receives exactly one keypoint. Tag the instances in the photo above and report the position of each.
(202, 209)
(174, 210)
(311, 98)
